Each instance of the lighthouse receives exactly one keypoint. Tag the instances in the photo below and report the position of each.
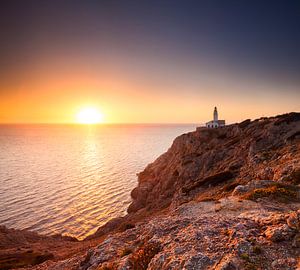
(216, 115)
(216, 123)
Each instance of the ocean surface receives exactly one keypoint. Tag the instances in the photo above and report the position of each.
(71, 179)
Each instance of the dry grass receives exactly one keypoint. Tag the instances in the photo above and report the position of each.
(278, 192)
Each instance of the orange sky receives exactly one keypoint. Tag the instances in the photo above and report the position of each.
(56, 96)
(137, 66)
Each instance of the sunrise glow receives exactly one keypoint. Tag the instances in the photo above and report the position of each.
(89, 115)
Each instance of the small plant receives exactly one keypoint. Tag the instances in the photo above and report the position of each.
(245, 256)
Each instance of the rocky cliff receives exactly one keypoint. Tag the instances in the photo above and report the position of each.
(217, 199)
(200, 161)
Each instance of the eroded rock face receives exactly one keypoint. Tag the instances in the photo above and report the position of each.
(264, 149)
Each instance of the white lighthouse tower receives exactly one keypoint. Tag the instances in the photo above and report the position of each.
(216, 122)
(216, 118)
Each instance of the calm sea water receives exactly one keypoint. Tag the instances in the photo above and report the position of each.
(72, 179)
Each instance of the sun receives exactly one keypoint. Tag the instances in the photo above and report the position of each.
(89, 115)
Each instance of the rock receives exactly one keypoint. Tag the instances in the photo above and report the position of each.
(245, 123)
(265, 173)
(228, 263)
(211, 180)
(207, 158)
(243, 247)
(198, 262)
(111, 225)
(287, 118)
(252, 185)
(293, 220)
(286, 263)
(296, 241)
(279, 233)
(295, 175)
(239, 190)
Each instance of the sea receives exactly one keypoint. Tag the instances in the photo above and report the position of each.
(71, 179)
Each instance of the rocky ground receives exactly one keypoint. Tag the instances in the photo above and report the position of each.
(217, 199)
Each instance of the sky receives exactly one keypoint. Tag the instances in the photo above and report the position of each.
(148, 61)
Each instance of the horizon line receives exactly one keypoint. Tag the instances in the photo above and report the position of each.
(100, 124)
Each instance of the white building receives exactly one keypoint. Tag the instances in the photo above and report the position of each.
(216, 122)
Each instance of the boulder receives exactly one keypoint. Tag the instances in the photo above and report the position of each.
(279, 233)
(239, 190)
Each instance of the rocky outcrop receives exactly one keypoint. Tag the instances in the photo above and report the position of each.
(264, 149)
(23, 248)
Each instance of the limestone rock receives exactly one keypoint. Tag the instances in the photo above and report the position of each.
(239, 190)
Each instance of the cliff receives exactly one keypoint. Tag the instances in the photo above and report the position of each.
(217, 199)
(223, 198)
(209, 163)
